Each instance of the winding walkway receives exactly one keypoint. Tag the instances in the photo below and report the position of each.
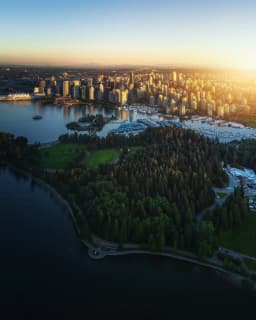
(218, 202)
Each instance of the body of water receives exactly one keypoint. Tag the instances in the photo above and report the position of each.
(17, 118)
(45, 270)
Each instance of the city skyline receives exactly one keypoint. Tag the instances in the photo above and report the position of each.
(184, 34)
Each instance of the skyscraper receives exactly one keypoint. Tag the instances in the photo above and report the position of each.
(76, 92)
(131, 77)
(91, 93)
(83, 93)
(174, 76)
(65, 88)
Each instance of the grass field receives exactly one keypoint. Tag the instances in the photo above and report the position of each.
(58, 156)
(242, 239)
(100, 157)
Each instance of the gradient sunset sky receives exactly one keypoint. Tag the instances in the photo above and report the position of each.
(188, 33)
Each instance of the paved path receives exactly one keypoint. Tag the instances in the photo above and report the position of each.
(218, 202)
(49, 170)
(235, 254)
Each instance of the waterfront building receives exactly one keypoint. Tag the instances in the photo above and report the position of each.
(42, 84)
(152, 101)
(65, 88)
(36, 90)
(76, 92)
(160, 100)
(124, 96)
(165, 102)
(77, 83)
(124, 114)
(83, 92)
(91, 93)
(210, 109)
(220, 111)
(100, 92)
(41, 90)
(194, 104)
(182, 110)
(49, 91)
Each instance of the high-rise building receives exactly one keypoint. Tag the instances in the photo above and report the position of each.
(174, 76)
(65, 88)
(77, 83)
(53, 81)
(91, 93)
(131, 77)
(209, 109)
(76, 92)
(124, 96)
(160, 100)
(194, 104)
(220, 111)
(182, 110)
(124, 114)
(152, 101)
(42, 84)
(226, 108)
(83, 92)
(49, 91)
(100, 92)
(36, 90)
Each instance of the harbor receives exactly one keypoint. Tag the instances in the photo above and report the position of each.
(213, 129)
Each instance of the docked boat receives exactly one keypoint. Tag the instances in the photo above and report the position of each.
(37, 117)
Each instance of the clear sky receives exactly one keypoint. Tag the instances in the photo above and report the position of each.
(183, 32)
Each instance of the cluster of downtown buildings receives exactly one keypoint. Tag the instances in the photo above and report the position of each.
(173, 92)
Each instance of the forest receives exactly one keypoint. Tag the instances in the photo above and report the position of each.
(151, 196)
(240, 153)
(16, 150)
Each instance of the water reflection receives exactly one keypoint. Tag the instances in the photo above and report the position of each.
(17, 118)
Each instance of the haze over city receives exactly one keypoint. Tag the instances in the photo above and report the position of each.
(184, 33)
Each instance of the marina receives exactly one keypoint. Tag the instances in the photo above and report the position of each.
(219, 129)
(128, 120)
(214, 129)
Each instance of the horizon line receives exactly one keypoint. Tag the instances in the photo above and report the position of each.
(128, 65)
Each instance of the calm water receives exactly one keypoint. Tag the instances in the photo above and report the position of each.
(45, 271)
(17, 118)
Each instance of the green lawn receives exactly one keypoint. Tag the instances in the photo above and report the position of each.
(100, 157)
(242, 239)
(58, 156)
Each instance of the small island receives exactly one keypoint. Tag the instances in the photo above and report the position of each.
(90, 123)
